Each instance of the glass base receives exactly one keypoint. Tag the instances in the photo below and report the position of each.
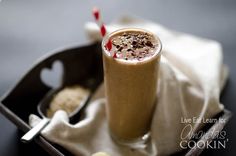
(140, 142)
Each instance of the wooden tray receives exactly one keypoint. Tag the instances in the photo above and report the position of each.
(81, 65)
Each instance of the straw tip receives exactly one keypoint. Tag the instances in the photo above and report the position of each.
(96, 12)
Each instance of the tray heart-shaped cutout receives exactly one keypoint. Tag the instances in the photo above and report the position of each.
(52, 76)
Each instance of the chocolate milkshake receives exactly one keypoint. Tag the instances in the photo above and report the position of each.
(130, 79)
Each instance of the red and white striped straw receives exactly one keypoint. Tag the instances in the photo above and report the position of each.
(103, 31)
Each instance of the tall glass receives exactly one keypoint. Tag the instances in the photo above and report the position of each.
(130, 89)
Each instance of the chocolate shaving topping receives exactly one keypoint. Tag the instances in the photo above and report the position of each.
(136, 45)
(134, 42)
(120, 48)
(149, 43)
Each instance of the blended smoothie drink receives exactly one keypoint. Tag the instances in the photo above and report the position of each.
(131, 82)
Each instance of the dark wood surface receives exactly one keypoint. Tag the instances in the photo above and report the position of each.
(29, 29)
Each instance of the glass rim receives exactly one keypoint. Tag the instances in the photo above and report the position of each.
(157, 50)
